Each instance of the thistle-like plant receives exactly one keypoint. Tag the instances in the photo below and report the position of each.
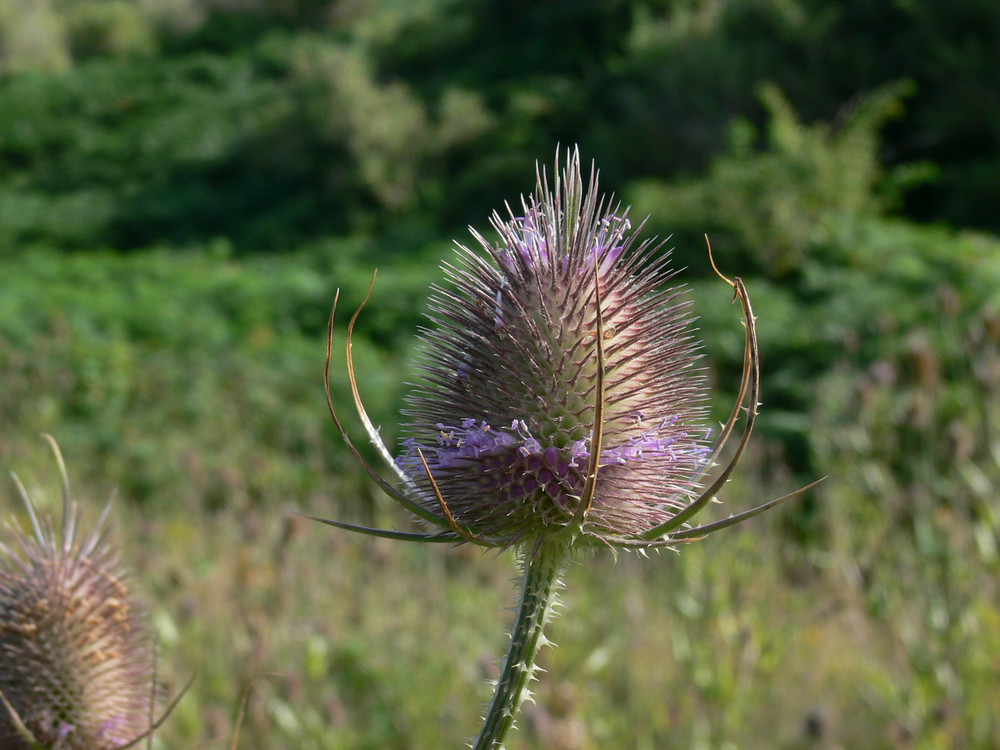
(77, 661)
(560, 406)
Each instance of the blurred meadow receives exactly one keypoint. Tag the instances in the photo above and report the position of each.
(184, 185)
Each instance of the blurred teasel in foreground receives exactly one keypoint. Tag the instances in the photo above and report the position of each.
(77, 661)
(559, 405)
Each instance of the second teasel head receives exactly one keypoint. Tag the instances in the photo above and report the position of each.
(77, 661)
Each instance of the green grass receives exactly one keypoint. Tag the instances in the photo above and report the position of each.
(348, 642)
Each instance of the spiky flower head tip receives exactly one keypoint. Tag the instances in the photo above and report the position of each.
(76, 659)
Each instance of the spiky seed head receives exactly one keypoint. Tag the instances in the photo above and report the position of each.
(504, 410)
(76, 657)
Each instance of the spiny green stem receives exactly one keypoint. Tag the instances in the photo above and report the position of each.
(538, 594)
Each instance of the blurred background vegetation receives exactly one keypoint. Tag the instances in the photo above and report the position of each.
(185, 183)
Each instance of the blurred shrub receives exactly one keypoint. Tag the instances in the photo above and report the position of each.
(109, 27)
(693, 66)
(191, 374)
(126, 155)
(387, 131)
(290, 139)
(32, 37)
(648, 88)
(769, 208)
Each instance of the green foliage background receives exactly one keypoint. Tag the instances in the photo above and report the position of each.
(184, 184)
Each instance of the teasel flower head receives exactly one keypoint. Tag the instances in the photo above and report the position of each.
(560, 395)
(77, 660)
